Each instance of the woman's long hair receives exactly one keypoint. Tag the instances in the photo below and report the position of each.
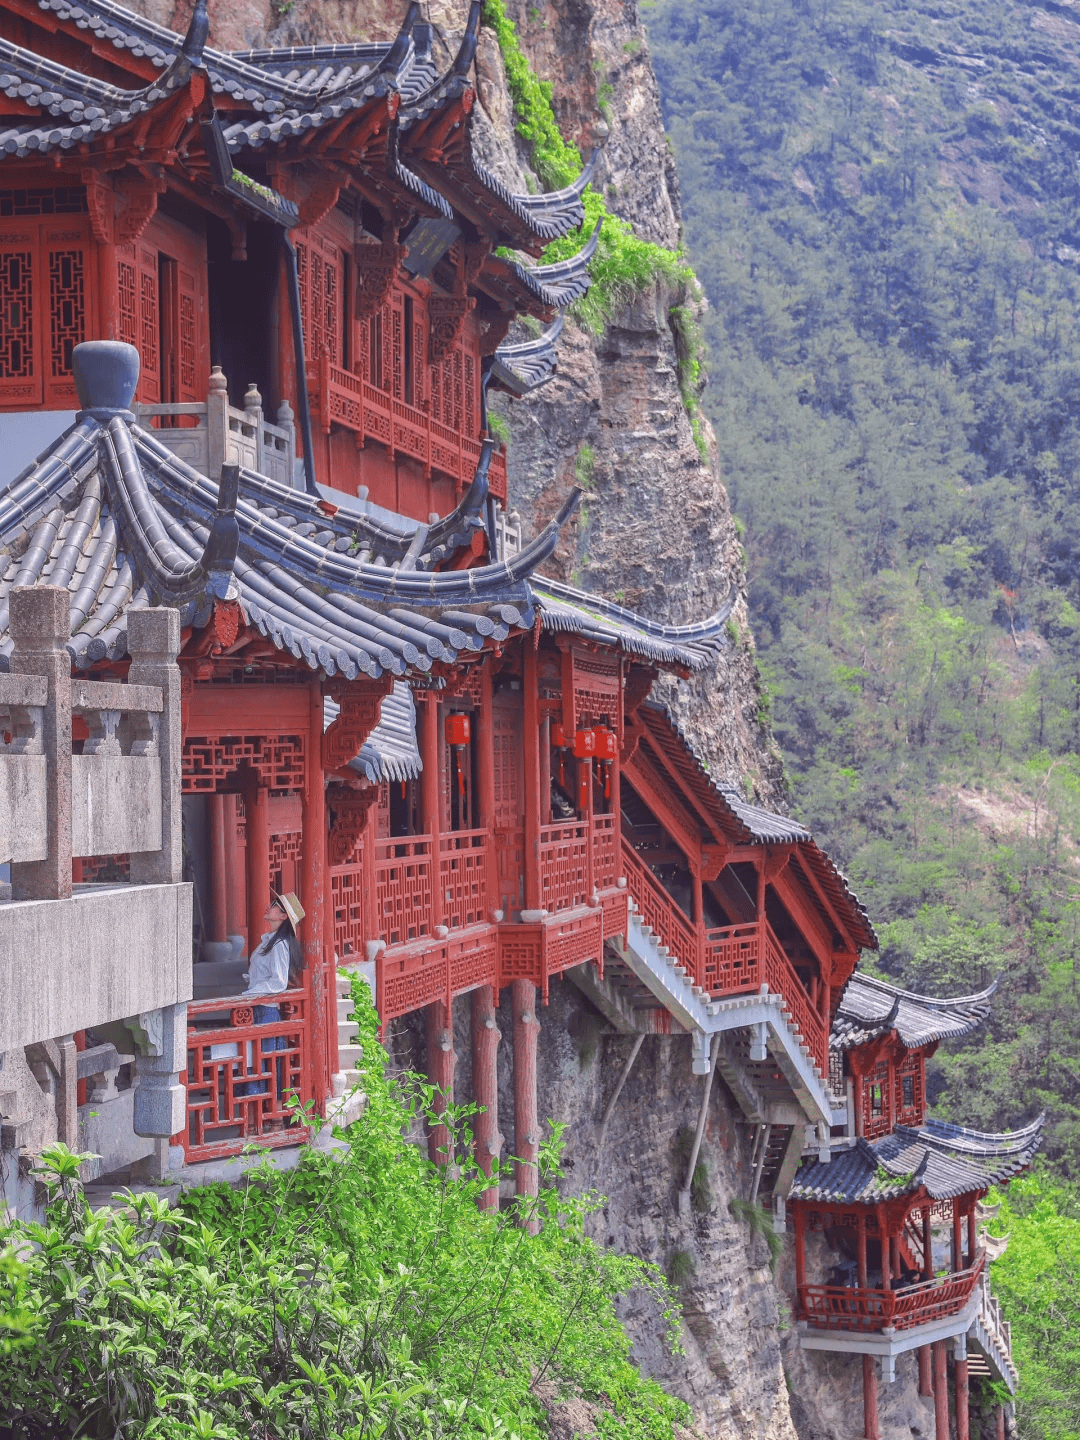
(286, 932)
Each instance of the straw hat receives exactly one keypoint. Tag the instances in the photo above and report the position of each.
(292, 907)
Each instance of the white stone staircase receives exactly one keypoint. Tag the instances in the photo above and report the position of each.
(993, 1338)
(348, 1100)
(774, 1036)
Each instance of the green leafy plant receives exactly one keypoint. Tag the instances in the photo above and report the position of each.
(499, 426)
(360, 1294)
(760, 1222)
(585, 466)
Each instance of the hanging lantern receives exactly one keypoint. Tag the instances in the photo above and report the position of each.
(585, 744)
(458, 730)
(604, 742)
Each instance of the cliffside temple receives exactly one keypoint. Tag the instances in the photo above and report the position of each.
(313, 654)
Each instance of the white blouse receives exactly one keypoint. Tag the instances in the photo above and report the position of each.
(268, 967)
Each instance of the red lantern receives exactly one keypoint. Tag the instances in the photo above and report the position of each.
(585, 744)
(558, 737)
(458, 731)
(605, 743)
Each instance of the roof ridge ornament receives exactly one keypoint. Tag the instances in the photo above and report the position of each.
(198, 32)
(467, 49)
(394, 58)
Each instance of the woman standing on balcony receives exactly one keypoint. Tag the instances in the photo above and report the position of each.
(275, 965)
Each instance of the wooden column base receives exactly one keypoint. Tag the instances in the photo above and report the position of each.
(963, 1423)
(441, 1064)
(487, 1143)
(869, 1398)
(926, 1371)
(941, 1393)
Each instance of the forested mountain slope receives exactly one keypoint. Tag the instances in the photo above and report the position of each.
(882, 202)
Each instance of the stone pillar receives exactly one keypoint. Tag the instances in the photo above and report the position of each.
(526, 1119)
(941, 1393)
(40, 623)
(153, 644)
(963, 1424)
(442, 1062)
(67, 1093)
(160, 1099)
(926, 1375)
(870, 1409)
(487, 1142)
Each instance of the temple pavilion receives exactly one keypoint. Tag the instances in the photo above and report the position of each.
(253, 304)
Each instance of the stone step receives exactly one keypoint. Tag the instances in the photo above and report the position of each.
(348, 1055)
(346, 1034)
(344, 1109)
(344, 1008)
(344, 985)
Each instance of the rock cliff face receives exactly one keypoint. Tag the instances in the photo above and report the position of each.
(656, 533)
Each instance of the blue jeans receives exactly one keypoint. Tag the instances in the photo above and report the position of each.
(265, 1015)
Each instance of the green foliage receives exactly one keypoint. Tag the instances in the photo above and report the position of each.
(623, 265)
(760, 1222)
(895, 365)
(680, 1268)
(361, 1294)
(585, 466)
(498, 426)
(1038, 1283)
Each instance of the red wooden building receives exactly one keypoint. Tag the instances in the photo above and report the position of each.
(893, 1218)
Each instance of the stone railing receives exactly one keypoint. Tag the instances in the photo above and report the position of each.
(216, 433)
(76, 957)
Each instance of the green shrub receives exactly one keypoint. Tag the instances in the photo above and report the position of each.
(361, 1294)
(623, 265)
(761, 1224)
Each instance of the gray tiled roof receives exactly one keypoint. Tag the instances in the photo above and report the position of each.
(390, 752)
(947, 1160)
(564, 608)
(870, 1007)
(114, 515)
(527, 365)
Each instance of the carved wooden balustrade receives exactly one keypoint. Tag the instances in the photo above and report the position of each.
(838, 1307)
(402, 888)
(730, 960)
(340, 397)
(463, 877)
(238, 1088)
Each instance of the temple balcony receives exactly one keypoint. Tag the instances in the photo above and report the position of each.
(339, 397)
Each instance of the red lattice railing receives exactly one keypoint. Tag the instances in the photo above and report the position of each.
(657, 910)
(836, 1307)
(343, 398)
(463, 871)
(605, 858)
(237, 1091)
(402, 889)
(727, 961)
(347, 902)
(782, 980)
(564, 866)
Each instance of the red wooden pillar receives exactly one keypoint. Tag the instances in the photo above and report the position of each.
(972, 1236)
(963, 1423)
(532, 777)
(941, 1393)
(926, 1375)
(526, 1117)
(485, 782)
(999, 1422)
(957, 1241)
(861, 1241)
(430, 799)
(257, 804)
(928, 1244)
(485, 1051)
(442, 1061)
(545, 770)
(869, 1390)
(322, 1025)
(219, 880)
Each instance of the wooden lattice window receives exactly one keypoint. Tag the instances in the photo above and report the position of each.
(45, 295)
(320, 273)
(876, 1102)
(910, 1097)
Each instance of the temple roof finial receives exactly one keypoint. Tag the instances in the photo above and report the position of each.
(198, 33)
(467, 50)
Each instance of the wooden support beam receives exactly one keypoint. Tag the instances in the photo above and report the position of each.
(963, 1422)
(442, 1061)
(926, 1374)
(689, 797)
(487, 1142)
(485, 779)
(526, 1110)
(665, 807)
(257, 806)
(871, 1429)
(430, 799)
(941, 1393)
